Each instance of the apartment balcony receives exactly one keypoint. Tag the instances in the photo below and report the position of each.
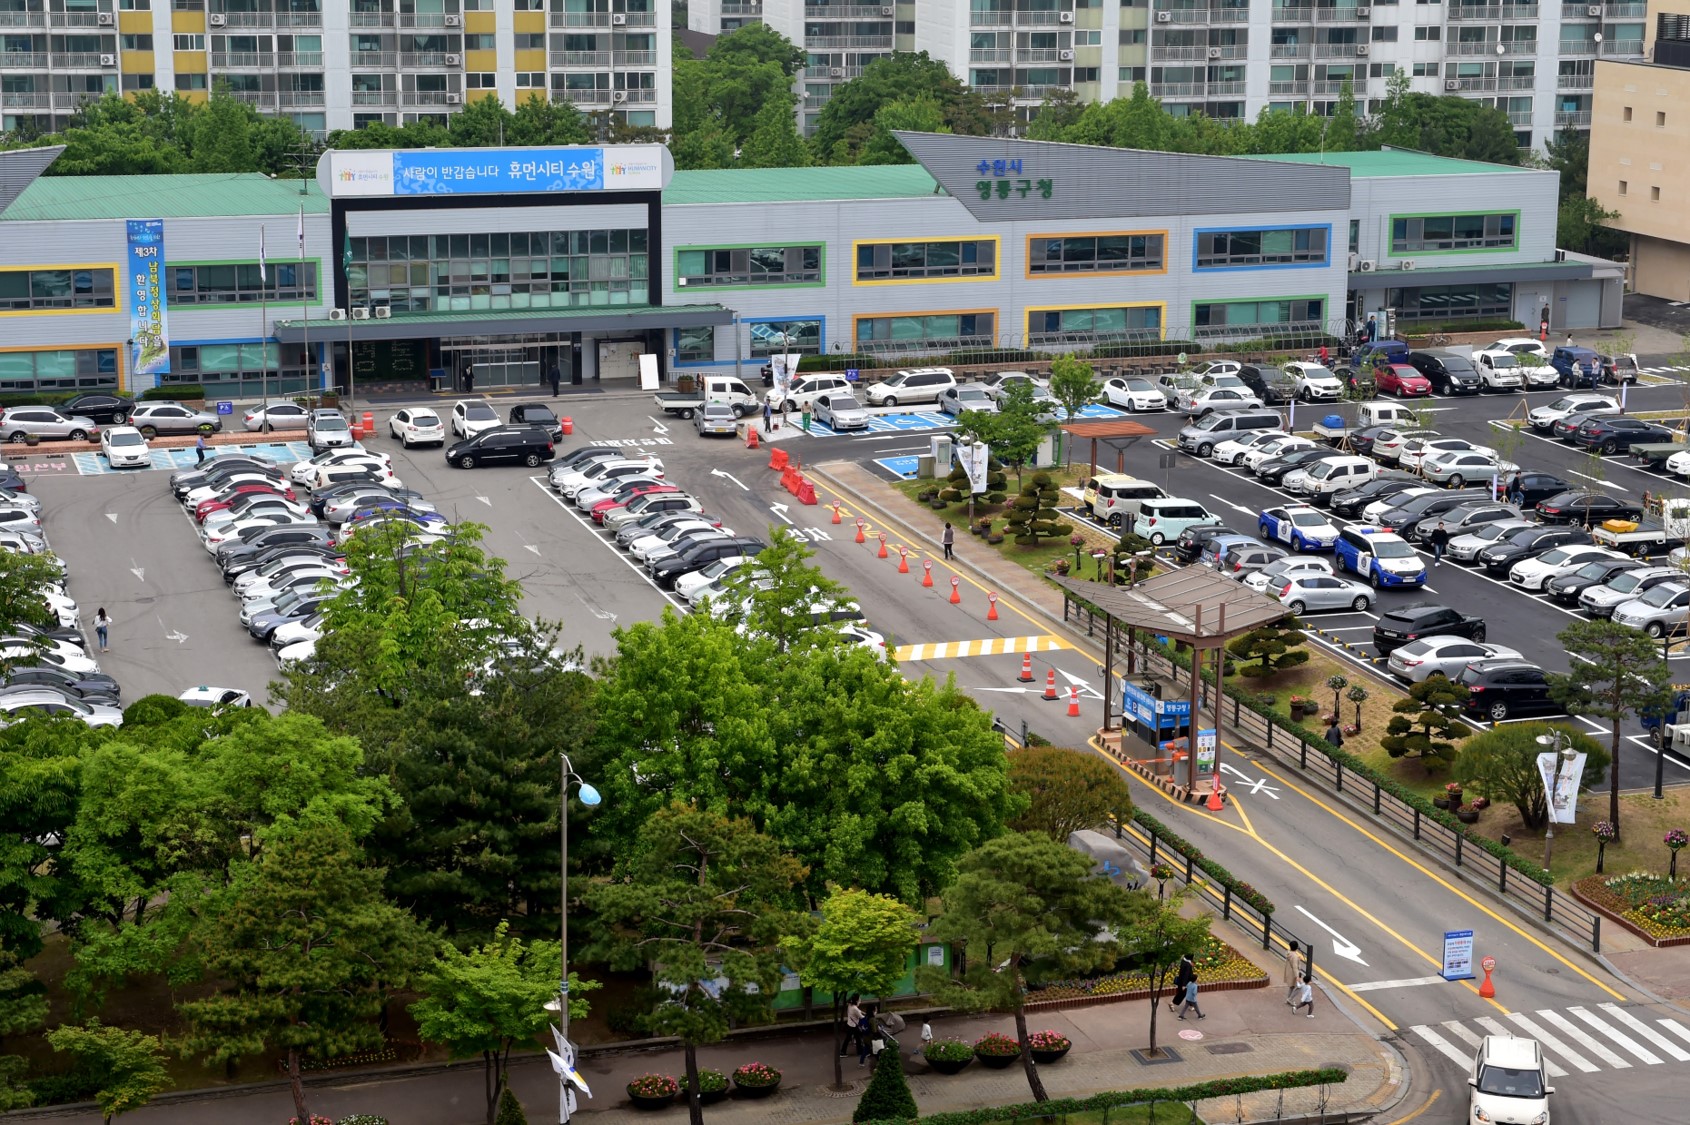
(301, 99)
(23, 60)
(1229, 15)
(372, 19)
(841, 11)
(1338, 51)
(429, 19)
(581, 58)
(1040, 19)
(738, 9)
(1520, 118)
(988, 19)
(1345, 13)
(300, 60)
(1182, 15)
(1489, 47)
(375, 58)
(23, 19)
(1290, 50)
(850, 42)
(1042, 55)
(1332, 86)
(636, 58)
(644, 97)
(1625, 48)
(77, 60)
(242, 60)
(1178, 89)
(1167, 53)
(375, 97)
(1226, 89)
(425, 58)
(1580, 12)
(429, 97)
(815, 101)
(1031, 94)
(80, 19)
(1572, 119)
(1293, 15)
(990, 55)
(1577, 48)
(25, 101)
(1496, 13)
(836, 73)
(1575, 81)
(1288, 89)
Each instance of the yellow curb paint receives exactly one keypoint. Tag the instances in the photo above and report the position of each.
(1426, 1105)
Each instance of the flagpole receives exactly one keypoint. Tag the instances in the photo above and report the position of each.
(305, 310)
(264, 326)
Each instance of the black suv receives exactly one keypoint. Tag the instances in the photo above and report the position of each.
(1271, 385)
(502, 445)
(1501, 688)
(1449, 374)
(700, 555)
(1528, 543)
(1411, 622)
(1189, 546)
(1388, 483)
(1420, 511)
(537, 414)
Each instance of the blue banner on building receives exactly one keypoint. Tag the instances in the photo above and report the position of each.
(445, 172)
(149, 326)
(1158, 714)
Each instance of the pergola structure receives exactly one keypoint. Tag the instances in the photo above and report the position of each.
(1194, 605)
(1097, 431)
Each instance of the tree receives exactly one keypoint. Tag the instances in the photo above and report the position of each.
(22, 578)
(774, 141)
(702, 902)
(1059, 112)
(1582, 225)
(861, 944)
(1067, 790)
(783, 594)
(222, 135)
(1073, 384)
(1617, 670)
(1500, 765)
(888, 1096)
(128, 1067)
(846, 120)
(510, 1110)
(921, 114)
(306, 950)
(1034, 513)
(1276, 645)
(1157, 940)
(491, 998)
(1018, 899)
(1426, 723)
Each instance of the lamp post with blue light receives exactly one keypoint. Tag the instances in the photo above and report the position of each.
(563, 1060)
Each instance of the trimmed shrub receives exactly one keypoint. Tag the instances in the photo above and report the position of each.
(180, 392)
(888, 1095)
(510, 1110)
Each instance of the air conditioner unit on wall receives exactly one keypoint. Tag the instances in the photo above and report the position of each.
(1164, 17)
(337, 314)
(454, 21)
(1362, 48)
(104, 19)
(1064, 56)
(1366, 266)
(454, 98)
(383, 312)
(1452, 83)
(836, 72)
(108, 60)
(360, 314)
(886, 9)
(1065, 17)
(218, 19)
(1363, 12)
(1593, 10)
(1214, 52)
(618, 96)
(617, 19)
(1406, 264)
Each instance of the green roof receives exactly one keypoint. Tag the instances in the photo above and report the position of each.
(1391, 162)
(72, 198)
(794, 185)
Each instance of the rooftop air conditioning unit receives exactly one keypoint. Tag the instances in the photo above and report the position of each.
(337, 314)
(1452, 84)
(618, 96)
(108, 60)
(1593, 10)
(1362, 48)
(451, 60)
(1406, 264)
(836, 72)
(103, 19)
(384, 312)
(1214, 52)
(218, 19)
(360, 314)
(1366, 266)
(1064, 56)
(617, 19)
(454, 21)
(1065, 17)
(454, 98)
(1164, 17)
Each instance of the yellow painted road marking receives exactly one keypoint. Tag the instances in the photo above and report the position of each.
(1436, 1094)
(990, 646)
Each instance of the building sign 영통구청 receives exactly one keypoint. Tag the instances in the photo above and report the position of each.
(1005, 182)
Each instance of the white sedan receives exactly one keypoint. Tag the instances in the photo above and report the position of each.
(417, 425)
(1523, 346)
(125, 447)
(1415, 449)
(1276, 574)
(1456, 467)
(1533, 573)
(1679, 464)
(303, 472)
(1133, 395)
(216, 698)
(1418, 661)
(688, 585)
(1256, 455)
(276, 416)
(1200, 401)
(1232, 452)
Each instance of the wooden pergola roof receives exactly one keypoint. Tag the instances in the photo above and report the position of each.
(1194, 604)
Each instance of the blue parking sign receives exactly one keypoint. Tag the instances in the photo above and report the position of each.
(224, 406)
(851, 374)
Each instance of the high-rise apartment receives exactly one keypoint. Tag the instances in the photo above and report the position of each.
(1640, 151)
(336, 64)
(1533, 59)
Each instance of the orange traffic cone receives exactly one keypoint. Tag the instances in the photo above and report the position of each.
(903, 560)
(861, 538)
(883, 553)
(992, 613)
(836, 511)
(1026, 667)
(1050, 684)
(956, 594)
(927, 573)
(1073, 703)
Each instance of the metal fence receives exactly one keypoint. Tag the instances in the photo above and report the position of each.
(1472, 861)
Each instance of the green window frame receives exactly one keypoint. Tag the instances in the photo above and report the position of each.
(23, 290)
(1464, 232)
(68, 369)
(238, 283)
(1104, 253)
(1061, 326)
(750, 267)
(929, 329)
(902, 261)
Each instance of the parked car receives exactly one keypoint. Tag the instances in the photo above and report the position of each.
(1658, 612)
(472, 415)
(1499, 558)
(19, 703)
(716, 418)
(1534, 573)
(1202, 401)
(1300, 526)
(417, 425)
(1378, 556)
(1243, 559)
(1576, 367)
(1363, 440)
(1537, 487)
(1569, 588)
(506, 445)
(1616, 369)
(1276, 445)
(1302, 593)
(1415, 449)
(1587, 506)
(1474, 514)
(1276, 574)
(1420, 660)
(1161, 519)
(922, 384)
(1499, 689)
(1404, 623)
(1627, 585)
(840, 411)
(1457, 467)
(996, 383)
(1381, 488)
(1232, 452)
(1314, 382)
(17, 423)
(1189, 547)
(1543, 418)
(125, 448)
(1133, 395)
(1424, 509)
(806, 390)
(1401, 380)
(1388, 446)
(1499, 371)
(276, 416)
(1274, 470)
(538, 414)
(669, 570)
(1450, 373)
(955, 399)
(105, 409)
(1325, 479)
(1519, 346)
(1273, 386)
(1614, 433)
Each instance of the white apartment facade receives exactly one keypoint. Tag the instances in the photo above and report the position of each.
(337, 64)
(1534, 59)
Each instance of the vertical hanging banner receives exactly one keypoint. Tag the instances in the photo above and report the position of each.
(149, 328)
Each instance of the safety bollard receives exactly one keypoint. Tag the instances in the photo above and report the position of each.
(836, 512)
(861, 538)
(956, 594)
(992, 610)
(927, 573)
(883, 553)
(903, 560)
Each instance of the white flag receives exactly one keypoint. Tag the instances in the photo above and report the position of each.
(263, 279)
(302, 232)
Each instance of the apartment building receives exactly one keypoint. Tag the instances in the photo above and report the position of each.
(1533, 59)
(336, 64)
(1640, 151)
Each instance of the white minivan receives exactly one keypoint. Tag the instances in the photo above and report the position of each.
(923, 384)
(1161, 519)
(1325, 479)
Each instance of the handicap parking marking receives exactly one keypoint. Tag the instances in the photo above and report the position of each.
(1098, 410)
(905, 467)
(283, 452)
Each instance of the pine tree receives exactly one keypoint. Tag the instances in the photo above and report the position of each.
(1034, 514)
(510, 1110)
(888, 1096)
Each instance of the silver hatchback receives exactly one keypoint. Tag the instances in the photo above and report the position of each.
(1301, 593)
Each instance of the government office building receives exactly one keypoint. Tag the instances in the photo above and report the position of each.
(418, 264)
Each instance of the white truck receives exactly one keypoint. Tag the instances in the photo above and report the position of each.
(1367, 414)
(725, 389)
(1647, 536)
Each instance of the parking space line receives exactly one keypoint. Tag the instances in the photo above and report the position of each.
(543, 486)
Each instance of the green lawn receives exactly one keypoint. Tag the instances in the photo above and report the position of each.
(1035, 559)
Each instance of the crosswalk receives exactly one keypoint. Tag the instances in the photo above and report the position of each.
(1578, 1038)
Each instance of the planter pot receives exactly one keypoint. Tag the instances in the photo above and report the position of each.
(1440, 802)
(938, 505)
(999, 1062)
(755, 1091)
(1045, 1058)
(643, 1101)
(1467, 816)
(948, 1066)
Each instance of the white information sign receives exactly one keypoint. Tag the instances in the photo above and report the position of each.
(1458, 955)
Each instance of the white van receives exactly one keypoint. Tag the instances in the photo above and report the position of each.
(1325, 479)
(1116, 498)
(922, 384)
(1203, 435)
(1161, 520)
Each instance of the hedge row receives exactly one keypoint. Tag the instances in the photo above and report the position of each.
(1240, 889)
(1199, 1091)
(179, 392)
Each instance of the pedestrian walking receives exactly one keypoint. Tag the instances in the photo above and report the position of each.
(865, 1032)
(557, 379)
(1439, 539)
(1569, 339)
(199, 450)
(1184, 975)
(949, 540)
(1304, 996)
(853, 1019)
(785, 411)
(768, 416)
(102, 628)
(1296, 965)
(926, 1038)
(1190, 1002)
(1517, 491)
(1335, 735)
(469, 379)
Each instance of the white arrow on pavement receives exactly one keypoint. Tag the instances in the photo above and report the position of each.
(112, 516)
(730, 476)
(485, 501)
(601, 614)
(176, 635)
(1341, 945)
(658, 427)
(1236, 507)
(780, 510)
(531, 547)
(1258, 785)
(139, 572)
(1080, 682)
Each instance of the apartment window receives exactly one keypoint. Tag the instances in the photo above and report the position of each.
(932, 329)
(1435, 233)
(530, 42)
(695, 345)
(68, 370)
(908, 261)
(235, 283)
(772, 337)
(1426, 69)
(478, 5)
(1355, 236)
(1088, 38)
(190, 81)
(538, 6)
(1087, 74)
(1452, 302)
(57, 289)
(134, 5)
(481, 42)
(753, 265)
(1627, 114)
(475, 81)
(1102, 253)
(1384, 35)
(531, 80)
(1243, 249)
(1424, 34)
(1660, 119)
(1131, 37)
(503, 270)
(189, 42)
(1221, 314)
(137, 42)
(1655, 195)
(1059, 326)
(1623, 186)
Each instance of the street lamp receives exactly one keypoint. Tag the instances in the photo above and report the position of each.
(1557, 740)
(589, 797)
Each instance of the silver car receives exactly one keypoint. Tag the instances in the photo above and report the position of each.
(966, 396)
(1466, 547)
(1418, 661)
(340, 509)
(20, 703)
(1275, 575)
(20, 422)
(1660, 611)
(840, 410)
(1301, 593)
(716, 418)
(1601, 601)
(154, 418)
(276, 416)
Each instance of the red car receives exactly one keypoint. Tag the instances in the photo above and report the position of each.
(218, 503)
(1401, 380)
(645, 488)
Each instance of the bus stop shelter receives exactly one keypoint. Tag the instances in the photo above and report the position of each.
(1196, 607)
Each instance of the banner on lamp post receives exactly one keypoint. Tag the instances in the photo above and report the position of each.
(1561, 786)
(974, 458)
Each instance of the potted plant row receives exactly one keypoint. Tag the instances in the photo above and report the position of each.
(948, 1056)
(756, 1080)
(653, 1091)
(996, 1050)
(1048, 1046)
